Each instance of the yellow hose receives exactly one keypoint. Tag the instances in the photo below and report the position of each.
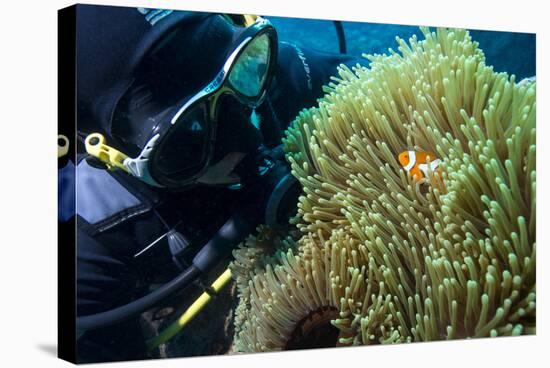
(190, 313)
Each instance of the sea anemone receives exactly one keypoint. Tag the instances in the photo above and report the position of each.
(386, 258)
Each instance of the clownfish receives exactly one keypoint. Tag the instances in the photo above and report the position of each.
(416, 163)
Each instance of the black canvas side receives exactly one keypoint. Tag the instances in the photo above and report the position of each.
(66, 246)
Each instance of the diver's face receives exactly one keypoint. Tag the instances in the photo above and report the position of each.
(235, 131)
(236, 138)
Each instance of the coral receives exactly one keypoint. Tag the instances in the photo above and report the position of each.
(383, 257)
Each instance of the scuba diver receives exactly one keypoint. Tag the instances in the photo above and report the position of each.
(180, 119)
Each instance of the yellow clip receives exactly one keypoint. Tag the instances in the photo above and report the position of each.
(62, 145)
(113, 158)
(249, 19)
(241, 20)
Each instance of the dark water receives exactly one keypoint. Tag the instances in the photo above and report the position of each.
(507, 51)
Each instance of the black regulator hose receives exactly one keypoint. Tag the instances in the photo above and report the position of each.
(220, 245)
(228, 236)
(134, 308)
(341, 36)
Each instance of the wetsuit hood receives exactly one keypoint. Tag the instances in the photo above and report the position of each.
(112, 43)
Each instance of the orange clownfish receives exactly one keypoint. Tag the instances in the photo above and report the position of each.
(416, 163)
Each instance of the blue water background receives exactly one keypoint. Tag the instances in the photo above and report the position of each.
(509, 52)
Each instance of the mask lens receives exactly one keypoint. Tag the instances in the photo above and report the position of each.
(250, 70)
(183, 150)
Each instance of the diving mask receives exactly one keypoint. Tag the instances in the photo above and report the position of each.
(181, 140)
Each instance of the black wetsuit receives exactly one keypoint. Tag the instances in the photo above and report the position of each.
(118, 216)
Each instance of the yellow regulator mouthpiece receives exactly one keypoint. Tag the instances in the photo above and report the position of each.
(62, 145)
(113, 158)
